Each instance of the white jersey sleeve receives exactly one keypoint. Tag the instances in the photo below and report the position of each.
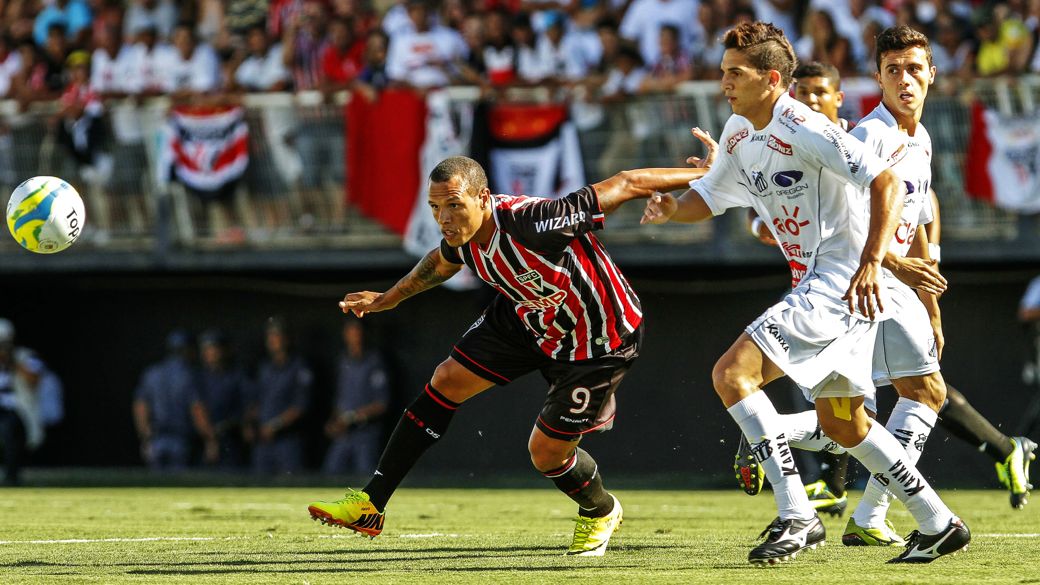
(843, 155)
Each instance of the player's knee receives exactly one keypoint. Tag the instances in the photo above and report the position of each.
(546, 457)
(730, 384)
(445, 380)
(842, 432)
(928, 390)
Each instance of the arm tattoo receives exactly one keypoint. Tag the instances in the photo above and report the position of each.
(422, 277)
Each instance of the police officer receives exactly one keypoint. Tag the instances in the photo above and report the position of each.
(225, 391)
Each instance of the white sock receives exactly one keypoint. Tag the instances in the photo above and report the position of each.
(910, 423)
(762, 427)
(886, 459)
(806, 434)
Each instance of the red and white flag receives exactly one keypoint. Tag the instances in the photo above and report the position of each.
(205, 147)
(1003, 160)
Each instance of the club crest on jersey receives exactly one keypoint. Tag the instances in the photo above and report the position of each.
(897, 155)
(760, 181)
(531, 280)
(779, 146)
(733, 140)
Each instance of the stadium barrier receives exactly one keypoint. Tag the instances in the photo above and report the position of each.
(292, 195)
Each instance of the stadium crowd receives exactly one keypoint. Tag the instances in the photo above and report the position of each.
(613, 47)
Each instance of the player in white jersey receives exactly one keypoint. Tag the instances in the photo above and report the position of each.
(809, 181)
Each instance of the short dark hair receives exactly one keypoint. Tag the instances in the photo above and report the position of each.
(897, 38)
(817, 69)
(467, 170)
(765, 46)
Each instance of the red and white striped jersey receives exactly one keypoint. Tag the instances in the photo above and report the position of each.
(564, 286)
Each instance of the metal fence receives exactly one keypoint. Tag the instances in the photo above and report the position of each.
(293, 194)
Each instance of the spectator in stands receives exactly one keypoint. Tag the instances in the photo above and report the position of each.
(529, 69)
(822, 42)
(425, 57)
(189, 68)
(644, 18)
(303, 42)
(262, 66)
(35, 400)
(624, 80)
(341, 58)
(473, 69)
(160, 15)
(991, 57)
(951, 53)
(144, 61)
(81, 128)
(225, 392)
(559, 55)
(109, 63)
(283, 393)
(36, 80)
(10, 64)
(240, 16)
(373, 77)
(168, 410)
(362, 395)
(499, 54)
(672, 66)
(72, 16)
(784, 14)
(55, 51)
(707, 56)
(280, 15)
(626, 76)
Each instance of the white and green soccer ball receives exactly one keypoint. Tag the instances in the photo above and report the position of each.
(45, 215)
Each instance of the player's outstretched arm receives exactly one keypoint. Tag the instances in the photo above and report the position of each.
(432, 270)
(687, 208)
(886, 206)
(644, 183)
(641, 184)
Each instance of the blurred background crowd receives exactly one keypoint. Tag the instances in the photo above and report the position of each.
(82, 50)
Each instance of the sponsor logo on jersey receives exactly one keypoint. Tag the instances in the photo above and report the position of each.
(790, 224)
(774, 330)
(554, 300)
(760, 181)
(758, 138)
(779, 146)
(787, 178)
(557, 223)
(733, 140)
(837, 139)
(791, 116)
(798, 271)
(897, 155)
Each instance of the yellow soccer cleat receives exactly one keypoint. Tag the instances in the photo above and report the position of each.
(824, 500)
(591, 535)
(354, 511)
(856, 535)
(1013, 473)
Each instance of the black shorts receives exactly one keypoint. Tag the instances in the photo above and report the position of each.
(580, 400)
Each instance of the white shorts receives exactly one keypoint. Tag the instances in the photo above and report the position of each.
(818, 344)
(905, 343)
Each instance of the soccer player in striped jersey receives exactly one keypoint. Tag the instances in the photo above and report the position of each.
(564, 310)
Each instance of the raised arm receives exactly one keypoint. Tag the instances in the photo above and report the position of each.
(641, 184)
(432, 270)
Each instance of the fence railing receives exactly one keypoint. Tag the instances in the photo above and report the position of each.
(293, 194)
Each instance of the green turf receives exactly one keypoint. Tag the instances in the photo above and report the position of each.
(263, 535)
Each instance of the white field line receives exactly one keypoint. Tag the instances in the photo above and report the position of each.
(1010, 534)
(430, 535)
(142, 539)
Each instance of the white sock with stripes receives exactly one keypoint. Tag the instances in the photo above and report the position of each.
(763, 428)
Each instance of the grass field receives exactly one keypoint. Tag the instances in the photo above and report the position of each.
(263, 535)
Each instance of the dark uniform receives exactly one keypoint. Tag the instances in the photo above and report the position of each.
(565, 309)
(169, 389)
(226, 392)
(279, 388)
(360, 382)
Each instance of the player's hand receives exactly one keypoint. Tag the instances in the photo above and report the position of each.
(761, 231)
(334, 428)
(865, 287)
(919, 274)
(360, 303)
(660, 207)
(710, 144)
(267, 432)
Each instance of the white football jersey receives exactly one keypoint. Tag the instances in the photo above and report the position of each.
(809, 180)
(910, 157)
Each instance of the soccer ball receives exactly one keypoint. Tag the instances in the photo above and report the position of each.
(45, 215)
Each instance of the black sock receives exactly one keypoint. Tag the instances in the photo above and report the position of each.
(579, 478)
(833, 468)
(965, 423)
(421, 425)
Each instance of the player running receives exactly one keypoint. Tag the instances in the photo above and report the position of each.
(910, 342)
(809, 181)
(564, 310)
